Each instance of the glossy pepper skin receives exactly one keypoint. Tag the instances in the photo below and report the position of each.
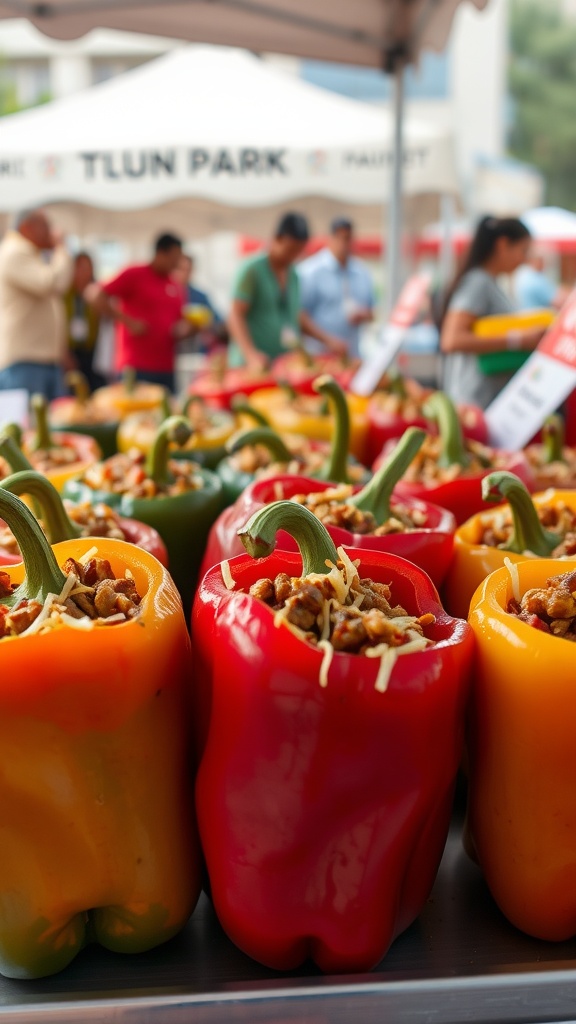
(220, 387)
(462, 495)
(522, 759)
(183, 521)
(472, 561)
(323, 812)
(99, 841)
(59, 526)
(430, 546)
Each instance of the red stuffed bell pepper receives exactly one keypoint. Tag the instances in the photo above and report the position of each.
(218, 385)
(361, 518)
(400, 405)
(326, 778)
(449, 469)
(70, 522)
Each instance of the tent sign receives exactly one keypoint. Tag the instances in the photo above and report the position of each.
(410, 301)
(540, 386)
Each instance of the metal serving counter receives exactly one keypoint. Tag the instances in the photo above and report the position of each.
(460, 962)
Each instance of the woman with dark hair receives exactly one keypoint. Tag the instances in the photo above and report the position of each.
(499, 246)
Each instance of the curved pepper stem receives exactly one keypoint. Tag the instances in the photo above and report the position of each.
(396, 386)
(42, 437)
(336, 466)
(174, 430)
(241, 406)
(190, 401)
(528, 534)
(261, 435)
(314, 542)
(165, 408)
(553, 439)
(79, 386)
(129, 380)
(13, 454)
(440, 408)
(375, 496)
(14, 430)
(43, 575)
(57, 523)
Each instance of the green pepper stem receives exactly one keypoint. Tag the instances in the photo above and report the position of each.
(57, 523)
(314, 542)
(190, 401)
(289, 392)
(79, 385)
(43, 576)
(261, 435)
(13, 454)
(241, 406)
(14, 430)
(165, 410)
(528, 533)
(336, 465)
(553, 439)
(396, 386)
(174, 430)
(375, 496)
(440, 408)
(42, 439)
(129, 379)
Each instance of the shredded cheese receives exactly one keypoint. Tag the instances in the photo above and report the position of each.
(85, 558)
(325, 646)
(229, 581)
(515, 578)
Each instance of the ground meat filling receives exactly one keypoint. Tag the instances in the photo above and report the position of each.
(92, 596)
(552, 474)
(331, 508)
(353, 617)
(72, 413)
(496, 527)
(552, 608)
(46, 459)
(257, 460)
(424, 468)
(95, 520)
(126, 474)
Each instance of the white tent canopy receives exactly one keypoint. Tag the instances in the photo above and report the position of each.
(372, 32)
(216, 124)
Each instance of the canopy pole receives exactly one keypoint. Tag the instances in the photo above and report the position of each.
(447, 215)
(393, 221)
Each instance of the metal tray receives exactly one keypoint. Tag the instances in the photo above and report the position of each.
(460, 962)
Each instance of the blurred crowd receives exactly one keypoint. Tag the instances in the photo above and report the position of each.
(55, 316)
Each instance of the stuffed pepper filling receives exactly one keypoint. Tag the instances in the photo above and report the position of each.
(331, 508)
(92, 596)
(46, 459)
(496, 528)
(126, 474)
(552, 608)
(559, 473)
(427, 467)
(95, 521)
(338, 611)
(72, 413)
(259, 461)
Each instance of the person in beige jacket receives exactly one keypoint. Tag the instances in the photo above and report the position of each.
(35, 272)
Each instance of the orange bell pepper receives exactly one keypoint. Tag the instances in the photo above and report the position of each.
(289, 413)
(37, 445)
(473, 561)
(128, 395)
(98, 842)
(522, 758)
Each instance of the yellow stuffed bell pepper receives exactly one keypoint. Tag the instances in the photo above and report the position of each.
(521, 822)
(212, 428)
(542, 525)
(290, 413)
(97, 838)
(128, 395)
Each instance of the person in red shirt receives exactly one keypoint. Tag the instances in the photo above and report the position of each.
(146, 301)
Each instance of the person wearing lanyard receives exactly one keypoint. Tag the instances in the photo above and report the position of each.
(83, 321)
(266, 317)
(337, 289)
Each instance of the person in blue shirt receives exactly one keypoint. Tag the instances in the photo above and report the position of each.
(534, 289)
(205, 338)
(336, 288)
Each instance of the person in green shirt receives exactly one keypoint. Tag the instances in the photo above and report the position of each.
(266, 319)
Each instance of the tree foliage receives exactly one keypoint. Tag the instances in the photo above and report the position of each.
(542, 81)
